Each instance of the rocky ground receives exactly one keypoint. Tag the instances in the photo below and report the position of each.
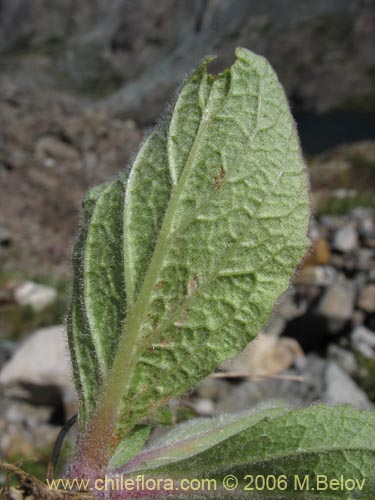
(51, 151)
(133, 54)
(80, 84)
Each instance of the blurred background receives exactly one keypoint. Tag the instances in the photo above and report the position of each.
(81, 83)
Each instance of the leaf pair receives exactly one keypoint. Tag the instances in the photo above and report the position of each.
(178, 266)
(274, 453)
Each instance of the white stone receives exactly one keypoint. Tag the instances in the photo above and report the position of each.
(204, 407)
(34, 295)
(366, 299)
(265, 356)
(363, 340)
(341, 389)
(346, 239)
(338, 301)
(40, 369)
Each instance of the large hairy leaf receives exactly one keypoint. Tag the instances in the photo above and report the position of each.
(298, 446)
(179, 272)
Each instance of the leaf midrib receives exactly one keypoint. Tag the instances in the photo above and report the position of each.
(127, 352)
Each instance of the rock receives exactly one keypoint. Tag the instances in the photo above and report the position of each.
(358, 318)
(338, 261)
(70, 402)
(341, 389)
(338, 301)
(344, 358)
(203, 407)
(359, 281)
(366, 299)
(319, 255)
(363, 340)
(365, 220)
(314, 231)
(212, 388)
(25, 428)
(371, 243)
(346, 239)
(315, 276)
(365, 259)
(148, 45)
(299, 392)
(319, 380)
(275, 326)
(266, 356)
(34, 295)
(7, 349)
(17, 412)
(15, 494)
(330, 222)
(39, 371)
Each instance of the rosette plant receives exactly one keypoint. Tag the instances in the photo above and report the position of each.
(177, 265)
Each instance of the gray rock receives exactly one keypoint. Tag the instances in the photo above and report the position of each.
(366, 299)
(314, 229)
(330, 222)
(212, 388)
(7, 349)
(363, 340)
(319, 381)
(358, 318)
(365, 218)
(34, 295)
(40, 369)
(346, 239)
(298, 392)
(338, 261)
(316, 276)
(338, 301)
(265, 356)
(151, 45)
(275, 326)
(15, 494)
(344, 358)
(341, 389)
(359, 281)
(203, 407)
(365, 259)
(24, 428)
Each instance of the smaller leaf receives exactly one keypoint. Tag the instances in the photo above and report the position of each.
(196, 436)
(130, 446)
(310, 444)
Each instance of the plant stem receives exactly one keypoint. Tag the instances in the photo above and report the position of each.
(102, 436)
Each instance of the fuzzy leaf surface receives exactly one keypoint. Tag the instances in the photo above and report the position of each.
(320, 440)
(130, 446)
(210, 229)
(95, 266)
(196, 436)
(231, 234)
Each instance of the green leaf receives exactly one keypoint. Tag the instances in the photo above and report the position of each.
(130, 446)
(98, 298)
(213, 226)
(328, 441)
(196, 436)
(86, 371)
